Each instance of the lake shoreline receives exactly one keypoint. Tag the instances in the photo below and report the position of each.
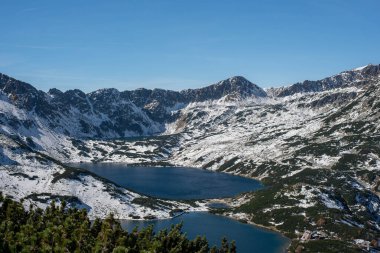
(226, 215)
(277, 244)
(204, 204)
(269, 228)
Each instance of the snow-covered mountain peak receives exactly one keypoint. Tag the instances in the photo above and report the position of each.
(367, 70)
(361, 68)
(54, 92)
(108, 94)
(237, 79)
(106, 91)
(237, 86)
(371, 70)
(350, 78)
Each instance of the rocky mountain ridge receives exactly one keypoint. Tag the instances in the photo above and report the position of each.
(109, 113)
(356, 77)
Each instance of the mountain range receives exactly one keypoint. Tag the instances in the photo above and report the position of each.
(315, 143)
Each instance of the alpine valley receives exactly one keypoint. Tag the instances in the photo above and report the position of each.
(315, 145)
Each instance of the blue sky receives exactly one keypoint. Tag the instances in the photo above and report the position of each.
(181, 44)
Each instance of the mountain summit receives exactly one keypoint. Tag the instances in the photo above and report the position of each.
(236, 85)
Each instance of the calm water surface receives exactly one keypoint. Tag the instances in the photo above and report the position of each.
(173, 182)
(189, 183)
(248, 238)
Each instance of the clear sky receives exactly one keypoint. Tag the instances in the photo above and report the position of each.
(178, 44)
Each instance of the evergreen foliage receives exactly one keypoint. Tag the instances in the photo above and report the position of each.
(62, 229)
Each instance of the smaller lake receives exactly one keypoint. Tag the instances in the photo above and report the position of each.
(249, 239)
(177, 183)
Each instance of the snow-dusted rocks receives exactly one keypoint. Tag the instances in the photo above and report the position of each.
(38, 179)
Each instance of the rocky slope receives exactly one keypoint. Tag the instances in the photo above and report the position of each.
(108, 113)
(36, 179)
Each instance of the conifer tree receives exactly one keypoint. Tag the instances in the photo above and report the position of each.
(63, 229)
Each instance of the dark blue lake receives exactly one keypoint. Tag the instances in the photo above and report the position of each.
(248, 238)
(189, 183)
(173, 182)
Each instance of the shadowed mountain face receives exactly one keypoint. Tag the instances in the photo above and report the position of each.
(109, 113)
